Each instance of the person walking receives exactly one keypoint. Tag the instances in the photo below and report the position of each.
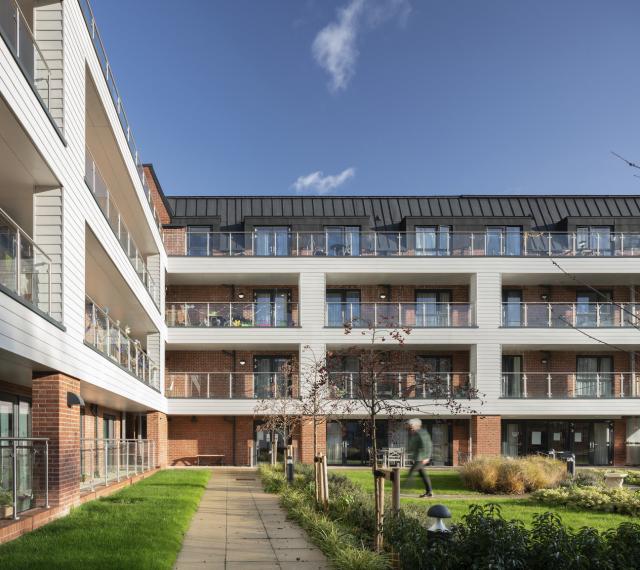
(420, 447)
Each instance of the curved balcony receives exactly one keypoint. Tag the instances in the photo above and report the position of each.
(233, 314)
(570, 315)
(580, 385)
(283, 243)
(414, 315)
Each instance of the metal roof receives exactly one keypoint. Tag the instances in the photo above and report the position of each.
(389, 212)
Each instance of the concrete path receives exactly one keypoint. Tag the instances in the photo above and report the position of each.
(238, 526)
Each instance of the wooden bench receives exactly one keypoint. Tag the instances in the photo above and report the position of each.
(219, 456)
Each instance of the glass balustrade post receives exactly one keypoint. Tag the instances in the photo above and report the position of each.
(473, 244)
(573, 315)
(14, 466)
(18, 262)
(574, 385)
(597, 243)
(548, 385)
(135, 456)
(598, 315)
(622, 244)
(106, 462)
(230, 385)
(598, 388)
(118, 461)
(549, 243)
(621, 385)
(127, 452)
(549, 315)
(524, 386)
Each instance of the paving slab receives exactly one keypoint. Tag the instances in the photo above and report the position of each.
(237, 526)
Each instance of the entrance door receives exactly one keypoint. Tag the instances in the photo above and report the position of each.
(272, 308)
(602, 443)
(334, 443)
(264, 440)
(272, 240)
(581, 443)
(512, 308)
(440, 441)
(270, 379)
(511, 440)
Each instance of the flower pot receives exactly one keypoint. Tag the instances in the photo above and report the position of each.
(6, 511)
(614, 480)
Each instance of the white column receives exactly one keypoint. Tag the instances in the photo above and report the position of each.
(312, 293)
(485, 293)
(486, 363)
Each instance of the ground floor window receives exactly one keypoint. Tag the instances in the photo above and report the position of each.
(348, 442)
(590, 441)
(263, 440)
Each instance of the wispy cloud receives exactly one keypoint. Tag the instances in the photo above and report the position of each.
(317, 183)
(335, 47)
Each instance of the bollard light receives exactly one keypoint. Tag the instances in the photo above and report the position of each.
(439, 512)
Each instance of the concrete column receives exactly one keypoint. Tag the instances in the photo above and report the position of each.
(157, 430)
(53, 418)
(485, 435)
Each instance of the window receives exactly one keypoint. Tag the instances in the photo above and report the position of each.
(512, 308)
(432, 240)
(594, 376)
(504, 240)
(109, 426)
(433, 376)
(593, 310)
(343, 306)
(433, 308)
(594, 240)
(512, 377)
(272, 308)
(272, 240)
(198, 241)
(343, 240)
(271, 378)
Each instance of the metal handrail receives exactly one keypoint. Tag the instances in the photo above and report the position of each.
(33, 37)
(223, 385)
(231, 316)
(9, 219)
(545, 314)
(112, 87)
(17, 443)
(151, 286)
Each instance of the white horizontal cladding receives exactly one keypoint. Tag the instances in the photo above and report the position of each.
(196, 407)
(101, 229)
(202, 337)
(596, 337)
(27, 334)
(411, 265)
(562, 408)
(74, 13)
(418, 336)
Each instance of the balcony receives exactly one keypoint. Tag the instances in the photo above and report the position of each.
(414, 315)
(584, 385)
(106, 461)
(95, 182)
(105, 335)
(234, 314)
(20, 39)
(24, 475)
(25, 270)
(94, 34)
(280, 243)
(402, 385)
(231, 385)
(570, 315)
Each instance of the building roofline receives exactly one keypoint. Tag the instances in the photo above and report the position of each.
(387, 196)
(163, 196)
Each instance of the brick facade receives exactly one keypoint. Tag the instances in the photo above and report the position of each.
(156, 198)
(54, 419)
(460, 440)
(157, 431)
(305, 443)
(486, 435)
(619, 442)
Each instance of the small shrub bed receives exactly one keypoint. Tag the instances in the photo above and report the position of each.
(512, 475)
(484, 539)
(623, 501)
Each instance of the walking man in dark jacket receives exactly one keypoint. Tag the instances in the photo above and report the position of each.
(420, 447)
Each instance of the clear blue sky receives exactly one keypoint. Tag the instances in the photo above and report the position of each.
(416, 96)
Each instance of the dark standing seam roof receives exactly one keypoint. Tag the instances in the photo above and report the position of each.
(545, 211)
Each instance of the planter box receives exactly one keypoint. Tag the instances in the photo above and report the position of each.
(6, 512)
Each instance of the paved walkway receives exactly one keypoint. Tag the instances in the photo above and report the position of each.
(238, 526)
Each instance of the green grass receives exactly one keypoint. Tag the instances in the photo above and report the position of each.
(447, 482)
(141, 526)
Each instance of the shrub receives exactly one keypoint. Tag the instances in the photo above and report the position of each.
(588, 478)
(512, 475)
(624, 501)
(633, 478)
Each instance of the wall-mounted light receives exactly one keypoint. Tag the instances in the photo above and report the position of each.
(544, 297)
(242, 362)
(240, 295)
(74, 400)
(546, 356)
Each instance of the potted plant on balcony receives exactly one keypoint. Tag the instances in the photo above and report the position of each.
(6, 505)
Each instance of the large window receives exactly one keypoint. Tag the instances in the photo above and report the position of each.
(594, 376)
(433, 308)
(504, 240)
(198, 240)
(432, 240)
(343, 306)
(512, 308)
(593, 309)
(343, 240)
(271, 377)
(272, 240)
(512, 376)
(594, 240)
(433, 378)
(272, 308)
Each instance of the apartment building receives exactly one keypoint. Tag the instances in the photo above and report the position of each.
(139, 330)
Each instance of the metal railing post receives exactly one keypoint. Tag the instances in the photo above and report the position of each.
(230, 385)
(118, 461)
(46, 474)
(524, 385)
(575, 382)
(621, 385)
(598, 393)
(14, 445)
(127, 452)
(548, 385)
(549, 315)
(106, 462)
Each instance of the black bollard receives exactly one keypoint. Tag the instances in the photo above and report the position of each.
(290, 471)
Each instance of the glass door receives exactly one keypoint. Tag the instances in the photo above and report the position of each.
(511, 439)
(593, 309)
(594, 376)
(512, 376)
(434, 374)
(433, 308)
(343, 241)
(272, 308)
(432, 240)
(271, 379)
(272, 240)
(512, 308)
(264, 439)
(581, 442)
(504, 240)
(440, 441)
(334, 443)
(343, 306)
(602, 443)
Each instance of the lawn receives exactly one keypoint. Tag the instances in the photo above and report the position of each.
(141, 526)
(447, 482)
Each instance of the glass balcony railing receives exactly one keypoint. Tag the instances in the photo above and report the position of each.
(588, 385)
(402, 385)
(198, 315)
(106, 336)
(25, 269)
(107, 461)
(281, 243)
(107, 71)
(24, 474)
(19, 37)
(231, 385)
(98, 187)
(570, 315)
(414, 315)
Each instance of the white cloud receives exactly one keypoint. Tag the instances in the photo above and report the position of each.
(320, 184)
(335, 46)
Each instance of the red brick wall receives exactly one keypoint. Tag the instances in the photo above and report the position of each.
(163, 214)
(157, 431)
(460, 438)
(564, 294)
(619, 442)
(485, 435)
(54, 419)
(174, 240)
(305, 450)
